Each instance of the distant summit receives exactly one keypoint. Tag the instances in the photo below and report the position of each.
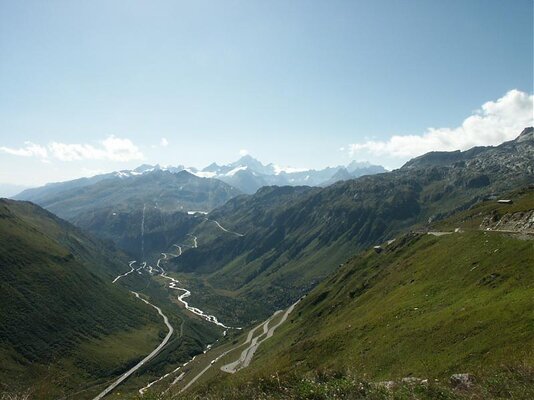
(249, 174)
(527, 134)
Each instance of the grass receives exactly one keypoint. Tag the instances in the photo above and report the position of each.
(60, 315)
(424, 307)
(470, 219)
(420, 311)
(504, 383)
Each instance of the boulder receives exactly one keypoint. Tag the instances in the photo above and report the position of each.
(462, 380)
(388, 385)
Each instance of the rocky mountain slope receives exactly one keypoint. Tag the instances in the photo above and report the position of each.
(163, 189)
(293, 237)
(112, 207)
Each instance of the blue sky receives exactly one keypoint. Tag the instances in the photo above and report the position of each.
(299, 83)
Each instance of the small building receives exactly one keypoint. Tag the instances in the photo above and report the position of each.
(505, 201)
(377, 249)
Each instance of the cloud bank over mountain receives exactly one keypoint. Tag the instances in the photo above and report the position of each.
(495, 122)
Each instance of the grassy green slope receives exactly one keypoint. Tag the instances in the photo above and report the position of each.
(58, 306)
(418, 309)
(426, 306)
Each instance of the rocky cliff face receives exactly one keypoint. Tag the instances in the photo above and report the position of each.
(520, 222)
(515, 155)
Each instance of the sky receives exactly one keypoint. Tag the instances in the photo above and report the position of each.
(91, 87)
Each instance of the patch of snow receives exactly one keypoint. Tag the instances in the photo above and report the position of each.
(236, 170)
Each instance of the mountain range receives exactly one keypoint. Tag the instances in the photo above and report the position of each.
(295, 236)
(246, 174)
(355, 274)
(111, 205)
(249, 174)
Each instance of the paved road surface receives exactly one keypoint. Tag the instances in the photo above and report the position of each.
(246, 355)
(129, 272)
(223, 228)
(125, 376)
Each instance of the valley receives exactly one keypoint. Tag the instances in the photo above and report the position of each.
(159, 272)
(267, 200)
(294, 279)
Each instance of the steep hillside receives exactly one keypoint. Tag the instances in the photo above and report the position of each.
(143, 233)
(59, 309)
(293, 237)
(113, 206)
(163, 189)
(427, 305)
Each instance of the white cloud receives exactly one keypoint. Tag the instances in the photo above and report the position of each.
(29, 150)
(112, 148)
(163, 142)
(243, 152)
(73, 152)
(494, 123)
(118, 149)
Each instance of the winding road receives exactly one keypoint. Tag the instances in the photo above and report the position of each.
(223, 228)
(144, 360)
(172, 285)
(179, 249)
(129, 272)
(138, 270)
(246, 355)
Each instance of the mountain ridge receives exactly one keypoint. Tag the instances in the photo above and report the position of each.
(289, 246)
(251, 175)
